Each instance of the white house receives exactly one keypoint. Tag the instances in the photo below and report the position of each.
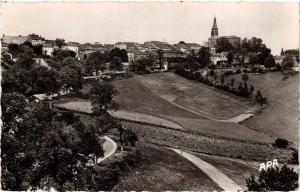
(72, 46)
(48, 49)
(218, 58)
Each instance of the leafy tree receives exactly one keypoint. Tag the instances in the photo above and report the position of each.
(232, 82)
(274, 179)
(160, 56)
(269, 62)
(281, 143)
(71, 74)
(12, 107)
(245, 77)
(61, 55)
(288, 62)
(60, 42)
(116, 52)
(204, 56)
(223, 45)
(142, 64)
(116, 64)
(254, 59)
(13, 49)
(230, 57)
(96, 61)
(6, 61)
(102, 98)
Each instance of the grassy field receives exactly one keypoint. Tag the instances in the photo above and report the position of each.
(136, 96)
(280, 117)
(86, 107)
(166, 171)
(194, 95)
(235, 169)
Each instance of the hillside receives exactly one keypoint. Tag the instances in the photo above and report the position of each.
(280, 116)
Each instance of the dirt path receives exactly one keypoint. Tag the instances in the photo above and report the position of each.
(217, 176)
(109, 148)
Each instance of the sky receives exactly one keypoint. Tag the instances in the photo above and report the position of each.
(277, 24)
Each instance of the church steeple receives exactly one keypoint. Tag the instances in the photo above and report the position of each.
(214, 29)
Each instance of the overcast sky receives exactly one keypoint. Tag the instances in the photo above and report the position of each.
(109, 22)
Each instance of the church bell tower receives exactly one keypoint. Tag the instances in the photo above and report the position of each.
(214, 29)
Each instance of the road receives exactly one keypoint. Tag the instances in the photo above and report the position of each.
(109, 148)
(217, 176)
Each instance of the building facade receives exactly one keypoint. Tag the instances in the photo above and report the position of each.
(213, 40)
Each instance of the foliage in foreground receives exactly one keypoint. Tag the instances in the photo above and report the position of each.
(274, 179)
(39, 143)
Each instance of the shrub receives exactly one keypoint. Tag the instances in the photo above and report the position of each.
(295, 157)
(228, 73)
(284, 179)
(238, 71)
(281, 143)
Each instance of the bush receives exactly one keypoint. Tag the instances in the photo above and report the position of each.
(295, 157)
(281, 143)
(228, 73)
(238, 71)
(284, 179)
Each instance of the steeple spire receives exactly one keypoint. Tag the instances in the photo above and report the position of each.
(214, 29)
(215, 23)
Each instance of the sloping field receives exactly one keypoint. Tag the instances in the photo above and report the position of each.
(135, 96)
(86, 107)
(237, 170)
(194, 95)
(280, 117)
(166, 171)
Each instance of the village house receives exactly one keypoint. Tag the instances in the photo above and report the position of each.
(48, 49)
(36, 40)
(71, 46)
(85, 50)
(14, 39)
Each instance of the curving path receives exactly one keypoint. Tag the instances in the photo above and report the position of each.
(236, 119)
(109, 148)
(217, 176)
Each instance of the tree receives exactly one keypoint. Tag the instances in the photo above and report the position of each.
(96, 61)
(102, 98)
(116, 64)
(288, 62)
(12, 107)
(253, 58)
(274, 179)
(116, 52)
(223, 45)
(60, 42)
(245, 77)
(230, 57)
(204, 56)
(269, 61)
(232, 82)
(160, 56)
(61, 55)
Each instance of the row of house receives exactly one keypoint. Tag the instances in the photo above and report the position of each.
(135, 50)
